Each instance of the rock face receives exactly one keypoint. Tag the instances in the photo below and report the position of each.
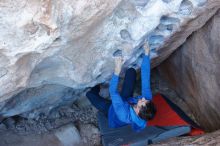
(194, 72)
(210, 139)
(90, 134)
(70, 43)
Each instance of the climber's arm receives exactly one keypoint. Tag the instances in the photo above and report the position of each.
(118, 104)
(145, 73)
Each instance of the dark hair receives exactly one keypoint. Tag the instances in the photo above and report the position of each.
(147, 112)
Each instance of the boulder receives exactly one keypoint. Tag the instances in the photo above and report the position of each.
(68, 135)
(194, 71)
(43, 99)
(208, 139)
(90, 134)
(71, 43)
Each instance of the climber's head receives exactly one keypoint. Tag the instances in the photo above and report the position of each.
(145, 109)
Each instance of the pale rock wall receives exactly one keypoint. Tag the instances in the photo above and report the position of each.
(70, 43)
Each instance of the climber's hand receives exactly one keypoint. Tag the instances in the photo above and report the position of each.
(146, 48)
(118, 64)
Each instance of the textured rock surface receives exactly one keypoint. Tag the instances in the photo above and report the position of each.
(210, 139)
(70, 43)
(57, 118)
(66, 135)
(38, 100)
(194, 72)
(90, 134)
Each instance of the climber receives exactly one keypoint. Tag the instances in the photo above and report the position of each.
(124, 109)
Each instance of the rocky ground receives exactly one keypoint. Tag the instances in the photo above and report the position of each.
(209, 139)
(44, 124)
(44, 129)
(81, 116)
(83, 119)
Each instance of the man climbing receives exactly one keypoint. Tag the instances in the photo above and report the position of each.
(124, 109)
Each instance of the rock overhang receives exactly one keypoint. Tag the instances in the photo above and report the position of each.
(71, 43)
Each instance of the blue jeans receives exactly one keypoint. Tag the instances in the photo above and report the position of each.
(127, 91)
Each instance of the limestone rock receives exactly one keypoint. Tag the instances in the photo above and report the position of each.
(2, 127)
(194, 71)
(70, 43)
(68, 135)
(33, 101)
(209, 139)
(90, 134)
(83, 102)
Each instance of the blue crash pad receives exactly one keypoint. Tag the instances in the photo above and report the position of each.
(126, 136)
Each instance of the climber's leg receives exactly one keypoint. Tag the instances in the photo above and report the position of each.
(99, 102)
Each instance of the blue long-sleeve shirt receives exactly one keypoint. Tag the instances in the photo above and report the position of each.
(121, 112)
